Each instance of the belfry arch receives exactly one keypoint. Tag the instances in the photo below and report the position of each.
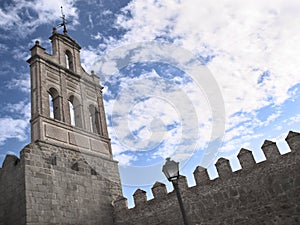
(94, 119)
(54, 104)
(69, 60)
(75, 112)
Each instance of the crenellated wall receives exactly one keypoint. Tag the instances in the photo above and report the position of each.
(260, 193)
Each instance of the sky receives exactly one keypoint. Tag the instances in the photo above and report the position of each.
(191, 80)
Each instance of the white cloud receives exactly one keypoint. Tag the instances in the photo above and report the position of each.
(23, 17)
(22, 83)
(125, 160)
(88, 57)
(20, 54)
(154, 113)
(22, 108)
(13, 128)
(246, 39)
(16, 123)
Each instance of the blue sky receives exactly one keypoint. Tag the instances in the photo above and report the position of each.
(158, 104)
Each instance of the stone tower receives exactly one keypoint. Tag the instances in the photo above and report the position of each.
(66, 175)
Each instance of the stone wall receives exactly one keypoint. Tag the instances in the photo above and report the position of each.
(60, 186)
(12, 191)
(264, 193)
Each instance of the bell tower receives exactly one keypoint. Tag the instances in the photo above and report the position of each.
(67, 104)
(70, 176)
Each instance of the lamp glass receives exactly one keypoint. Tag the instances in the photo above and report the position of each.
(171, 169)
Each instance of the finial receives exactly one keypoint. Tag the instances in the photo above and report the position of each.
(63, 24)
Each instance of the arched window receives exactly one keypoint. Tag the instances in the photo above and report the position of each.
(72, 116)
(51, 107)
(54, 104)
(75, 112)
(94, 119)
(69, 60)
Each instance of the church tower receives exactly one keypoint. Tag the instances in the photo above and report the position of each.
(66, 175)
(67, 105)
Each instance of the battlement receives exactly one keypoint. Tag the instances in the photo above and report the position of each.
(10, 160)
(277, 176)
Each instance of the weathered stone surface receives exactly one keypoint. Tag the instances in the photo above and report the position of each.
(293, 140)
(56, 133)
(159, 190)
(246, 159)
(223, 168)
(201, 176)
(270, 150)
(44, 186)
(139, 197)
(268, 193)
(12, 195)
(79, 140)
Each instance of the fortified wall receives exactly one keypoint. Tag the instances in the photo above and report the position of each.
(51, 185)
(260, 193)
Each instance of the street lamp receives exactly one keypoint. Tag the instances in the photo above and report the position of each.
(171, 171)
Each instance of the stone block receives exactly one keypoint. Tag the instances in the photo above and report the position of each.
(10, 160)
(223, 168)
(293, 140)
(99, 146)
(246, 159)
(201, 176)
(79, 140)
(159, 190)
(270, 150)
(56, 133)
(139, 198)
(182, 183)
(120, 203)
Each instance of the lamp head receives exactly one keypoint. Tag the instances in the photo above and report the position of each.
(171, 169)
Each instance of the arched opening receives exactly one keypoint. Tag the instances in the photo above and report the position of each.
(94, 119)
(75, 112)
(72, 114)
(51, 113)
(69, 60)
(54, 104)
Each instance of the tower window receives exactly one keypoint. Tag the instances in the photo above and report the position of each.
(69, 60)
(54, 104)
(75, 112)
(72, 116)
(51, 107)
(94, 119)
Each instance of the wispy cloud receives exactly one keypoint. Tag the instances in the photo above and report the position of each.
(16, 123)
(22, 83)
(13, 128)
(21, 109)
(23, 17)
(151, 114)
(243, 41)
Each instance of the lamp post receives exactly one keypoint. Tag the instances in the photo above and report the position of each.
(171, 171)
